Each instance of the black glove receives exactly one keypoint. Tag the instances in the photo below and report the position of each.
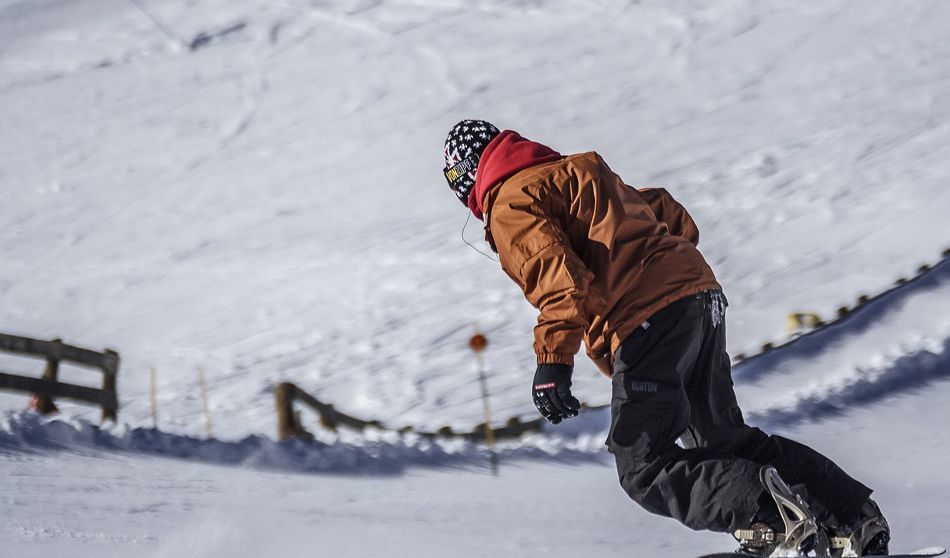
(552, 392)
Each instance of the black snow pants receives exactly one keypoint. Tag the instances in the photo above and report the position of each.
(672, 380)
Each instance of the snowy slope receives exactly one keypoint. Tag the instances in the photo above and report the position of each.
(409, 497)
(381, 492)
(270, 206)
(85, 502)
(267, 206)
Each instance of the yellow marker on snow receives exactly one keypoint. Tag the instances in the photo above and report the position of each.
(803, 320)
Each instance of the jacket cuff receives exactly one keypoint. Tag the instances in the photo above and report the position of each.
(555, 358)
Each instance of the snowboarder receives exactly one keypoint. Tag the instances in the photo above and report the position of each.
(619, 268)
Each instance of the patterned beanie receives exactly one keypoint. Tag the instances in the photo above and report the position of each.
(463, 148)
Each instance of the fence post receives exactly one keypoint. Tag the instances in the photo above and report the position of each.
(153, 396)
(110, 371)
(204, 399)
(45, 404)
(286, 420)
(328, 418)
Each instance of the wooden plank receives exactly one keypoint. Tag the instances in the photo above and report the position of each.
(331, 415)
(328, 415)
(288, 425)
(107, 361)
(49, 388)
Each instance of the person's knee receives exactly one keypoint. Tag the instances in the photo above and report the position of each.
(738, 440)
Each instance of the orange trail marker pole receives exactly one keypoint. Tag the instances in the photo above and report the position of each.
(479, 343)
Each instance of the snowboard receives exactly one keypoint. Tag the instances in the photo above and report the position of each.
(931, 551)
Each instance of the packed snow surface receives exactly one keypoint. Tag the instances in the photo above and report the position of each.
(253, 189)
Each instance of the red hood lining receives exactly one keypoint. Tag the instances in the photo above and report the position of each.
(504, 156)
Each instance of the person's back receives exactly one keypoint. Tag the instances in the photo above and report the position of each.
(636, 250)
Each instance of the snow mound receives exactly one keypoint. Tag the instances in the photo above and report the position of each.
(368, 453)
(863, 388)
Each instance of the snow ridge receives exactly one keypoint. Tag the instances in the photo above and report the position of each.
(908, 373)
(830, 337)
(368, 453)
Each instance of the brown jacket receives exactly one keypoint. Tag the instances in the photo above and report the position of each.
(595, 256)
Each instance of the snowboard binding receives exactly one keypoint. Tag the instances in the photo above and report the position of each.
(869, 536)
(801, 537)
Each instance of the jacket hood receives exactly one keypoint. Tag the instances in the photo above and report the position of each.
(506, 155)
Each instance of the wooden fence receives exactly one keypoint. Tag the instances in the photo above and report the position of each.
(289, 423)
(48, 386)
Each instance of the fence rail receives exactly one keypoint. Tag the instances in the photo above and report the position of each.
(289, 424)
(48, 386)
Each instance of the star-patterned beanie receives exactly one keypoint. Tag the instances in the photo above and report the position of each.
(463, 149)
